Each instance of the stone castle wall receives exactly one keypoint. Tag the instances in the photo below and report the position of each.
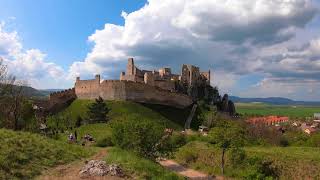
(59, 100)
(61, 96)
(130, 91)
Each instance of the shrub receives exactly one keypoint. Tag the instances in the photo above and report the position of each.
(237, 156)
(259, 168)
(138, 134)
(173, 142)
(105, 142)
(186, 156)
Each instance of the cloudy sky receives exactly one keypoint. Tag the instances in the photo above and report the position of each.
(255, 48)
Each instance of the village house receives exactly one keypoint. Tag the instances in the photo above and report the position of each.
(308, 129)
(268, 120)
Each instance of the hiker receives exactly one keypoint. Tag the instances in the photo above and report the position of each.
(71, 138)
(75, 135)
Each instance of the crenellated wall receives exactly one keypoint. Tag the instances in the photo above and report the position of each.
(131, 91)
(57, 97)
(59, 100)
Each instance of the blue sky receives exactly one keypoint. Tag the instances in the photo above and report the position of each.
(255, 48)
(61, 28)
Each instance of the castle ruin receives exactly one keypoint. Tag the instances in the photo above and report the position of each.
(163, 78)
(143, 86)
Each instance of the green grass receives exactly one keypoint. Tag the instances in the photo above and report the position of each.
(24, 155)
(137, 166)
(169, 117)
(125, 109)
(265, 109)
(291, 162)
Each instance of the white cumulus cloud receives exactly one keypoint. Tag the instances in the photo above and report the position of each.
(29, 65)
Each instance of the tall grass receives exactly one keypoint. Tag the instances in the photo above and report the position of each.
(138, 166)
(290, 162)
(24, 155)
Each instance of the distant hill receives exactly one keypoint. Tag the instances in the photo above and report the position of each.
(273, 100)
(32, 92)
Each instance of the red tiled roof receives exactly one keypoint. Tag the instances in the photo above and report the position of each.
(267, 119)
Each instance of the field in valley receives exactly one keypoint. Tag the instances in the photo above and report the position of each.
(281, 110)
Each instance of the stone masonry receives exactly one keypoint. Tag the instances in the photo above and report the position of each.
(163, 78)
(154, 87)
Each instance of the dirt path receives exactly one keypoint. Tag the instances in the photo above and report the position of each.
(186, 172)
(71, 171)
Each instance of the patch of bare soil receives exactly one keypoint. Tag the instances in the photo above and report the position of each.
(71, 171)
(186, 172)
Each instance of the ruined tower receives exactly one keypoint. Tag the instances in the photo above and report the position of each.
(130, 67)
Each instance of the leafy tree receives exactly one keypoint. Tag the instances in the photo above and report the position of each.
(226, 136)
(140, 135)
(98, 111)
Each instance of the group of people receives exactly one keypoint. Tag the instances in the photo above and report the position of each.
(72, 138)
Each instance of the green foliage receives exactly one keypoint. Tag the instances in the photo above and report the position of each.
(259, 162)
(25, 155)
(105, 142)
(138, 134)
(227, 134)
(97, 111)
(259, 169)
(137, 166)
(172, 143)
(237, 156)
(101, 133)
(290, 162)
(169, 117)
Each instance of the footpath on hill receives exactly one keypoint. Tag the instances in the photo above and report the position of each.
(71, 171)
(185, 172)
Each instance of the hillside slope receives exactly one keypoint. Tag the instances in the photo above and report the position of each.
(170, 117)
(24, 155)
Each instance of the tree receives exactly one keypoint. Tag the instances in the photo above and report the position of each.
(140, 135)
(98, 111)
(227, 135)
(13, 102)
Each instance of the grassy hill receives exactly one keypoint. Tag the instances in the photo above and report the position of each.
(168, 116)
(24, 155)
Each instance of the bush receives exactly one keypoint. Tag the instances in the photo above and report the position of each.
(237, 156)
(105, 142)
(172, 143)
(186, 156)
(259, 168)
(140, 135)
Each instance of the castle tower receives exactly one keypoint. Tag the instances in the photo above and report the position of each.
(130, 67)
(98, 77)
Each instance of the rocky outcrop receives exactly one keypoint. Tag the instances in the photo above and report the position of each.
(227, 106)
(100, 168)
